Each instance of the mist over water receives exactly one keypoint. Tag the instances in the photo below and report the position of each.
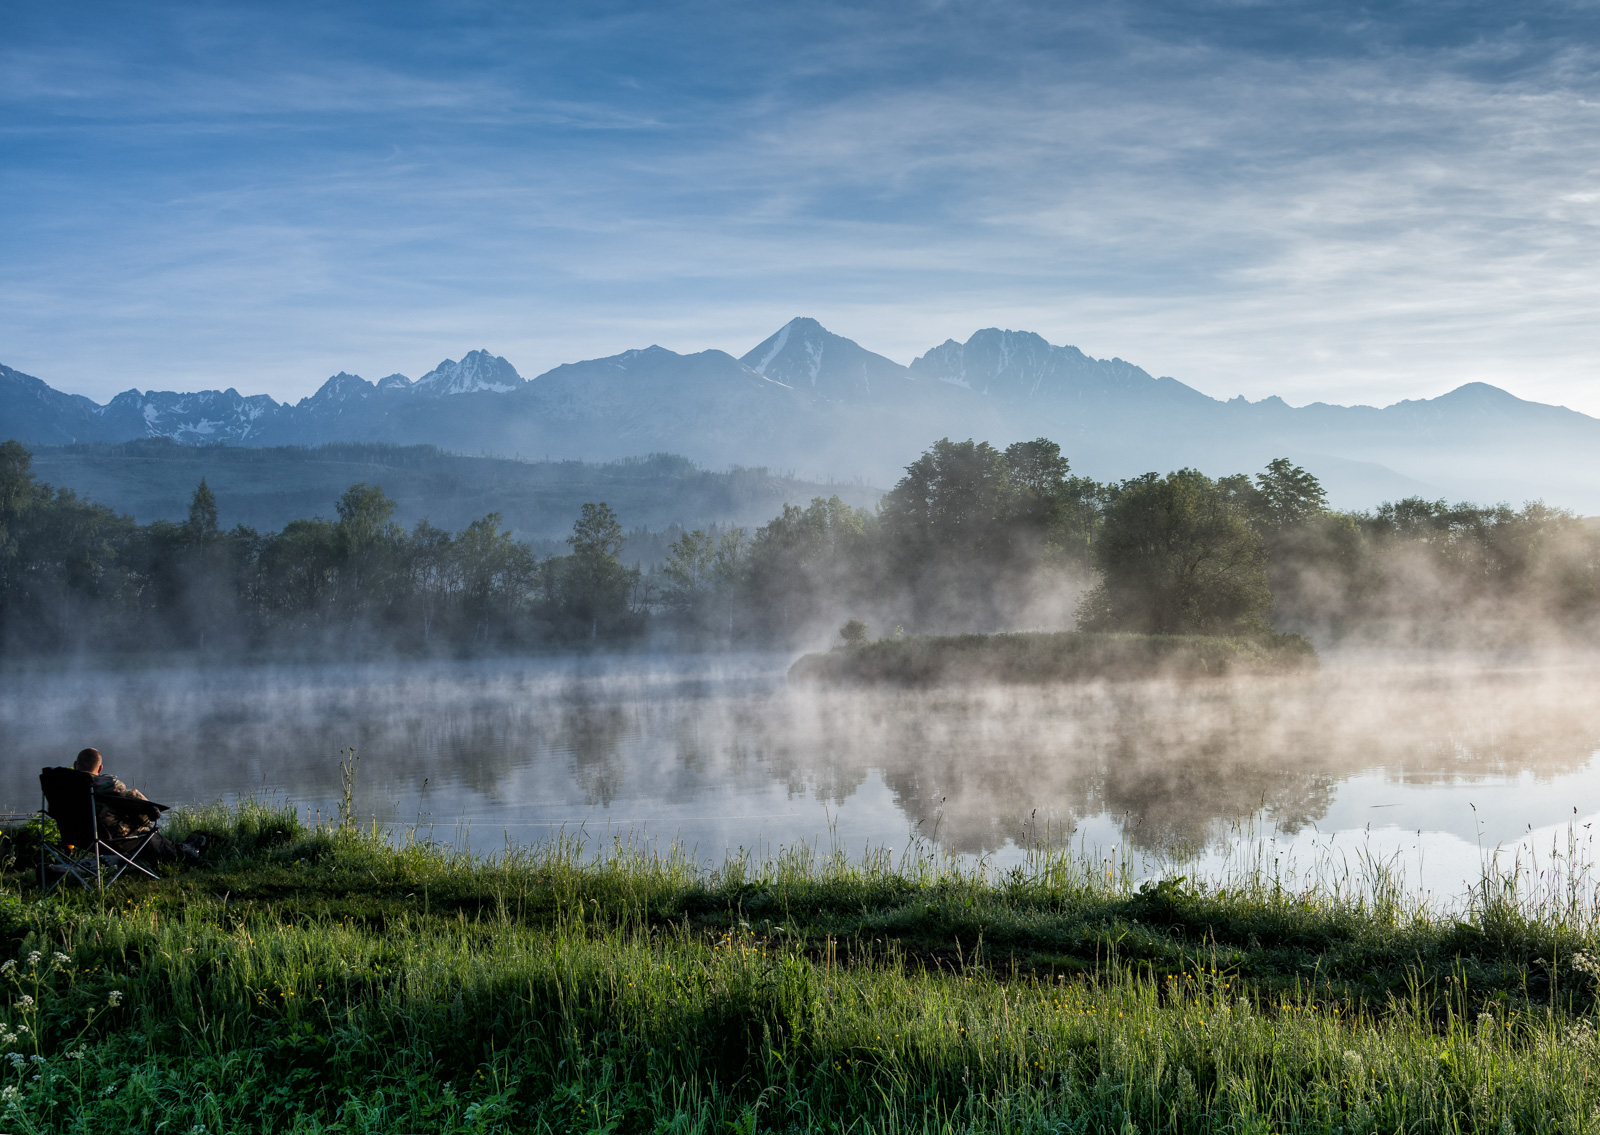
(1430, 764)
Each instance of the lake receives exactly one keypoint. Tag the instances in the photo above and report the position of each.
(1428, 765)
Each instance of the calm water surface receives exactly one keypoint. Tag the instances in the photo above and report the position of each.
(1432, 766)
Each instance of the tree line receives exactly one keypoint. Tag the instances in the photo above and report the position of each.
(75, 575)
(971, 538)
(975, 538)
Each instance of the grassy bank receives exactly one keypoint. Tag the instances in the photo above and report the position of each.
(320, 980)
(922, 660)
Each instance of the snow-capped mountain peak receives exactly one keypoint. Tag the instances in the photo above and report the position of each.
(340, 390)
(477, 370)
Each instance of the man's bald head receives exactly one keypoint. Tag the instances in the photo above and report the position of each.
(88, 761)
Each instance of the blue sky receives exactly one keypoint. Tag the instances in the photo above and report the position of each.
(1325, 202)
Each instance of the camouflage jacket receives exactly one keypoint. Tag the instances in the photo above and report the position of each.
(113, 824)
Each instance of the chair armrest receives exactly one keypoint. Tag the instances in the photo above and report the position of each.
(129, 806)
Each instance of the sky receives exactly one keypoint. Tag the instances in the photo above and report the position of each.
(1324, 202)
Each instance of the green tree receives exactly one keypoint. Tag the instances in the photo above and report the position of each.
(1177, 555)
(368, 539)
(803, 564)
(495, 573)
(690, 571)
(950, 506)
(594, 585)
(298, 571)
(702, 575)
(1288, 495)
(201, 527)
(1052, 514)
(1039, 480)
(18, 487)
(18, 491)
(435, 573)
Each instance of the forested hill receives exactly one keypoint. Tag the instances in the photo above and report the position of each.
(153, 479)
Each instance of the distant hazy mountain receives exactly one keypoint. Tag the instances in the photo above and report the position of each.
(808, 357)
(810, 401)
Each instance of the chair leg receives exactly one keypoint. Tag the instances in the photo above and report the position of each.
(127, 861)
(94, 820)
(43, 804)
(72, 867)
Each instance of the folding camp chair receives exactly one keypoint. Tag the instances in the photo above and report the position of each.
(71, 801)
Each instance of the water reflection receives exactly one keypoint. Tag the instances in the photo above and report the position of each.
(720, 752)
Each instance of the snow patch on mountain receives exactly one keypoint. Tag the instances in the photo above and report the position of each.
(1020, 366)
(805, 355)
(777, 342)
(477, 371)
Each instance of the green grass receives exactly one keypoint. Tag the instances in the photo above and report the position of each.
(323, 980)
(920, 660)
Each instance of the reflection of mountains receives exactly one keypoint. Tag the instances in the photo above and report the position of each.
(1174, 764)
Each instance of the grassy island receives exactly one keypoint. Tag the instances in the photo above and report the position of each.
(321, 980)
(1067, 656)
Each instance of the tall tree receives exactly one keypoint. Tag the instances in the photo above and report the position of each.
(366, 531)
(1288, 495)
(950, 505)
(201, 527)
(435, 574)
(803, 564)
(1178, 555)
(595, 586)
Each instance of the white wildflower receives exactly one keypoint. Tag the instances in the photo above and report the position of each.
(60, 959)
(9, 1094)
(1586, 963)
(8, 965)
(25, 1002)
(17, 1059)
(33, 1079)
(78, 1053)
(34, 957)
(8, 1038)
(36, 1059)
(114, 998)
(110, 1088)
(22, 1028)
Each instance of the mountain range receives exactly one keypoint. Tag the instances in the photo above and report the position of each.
(810, 401)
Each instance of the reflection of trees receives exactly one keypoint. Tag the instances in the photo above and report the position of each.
(594, 732)
(1174, 763)
(1177, 764)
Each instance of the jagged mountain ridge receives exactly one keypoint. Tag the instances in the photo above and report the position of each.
(808, 400)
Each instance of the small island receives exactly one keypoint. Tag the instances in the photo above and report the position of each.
(1038, 657)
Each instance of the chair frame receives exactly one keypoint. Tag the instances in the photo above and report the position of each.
(76, 862)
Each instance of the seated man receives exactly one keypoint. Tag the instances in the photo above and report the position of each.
(117, 829)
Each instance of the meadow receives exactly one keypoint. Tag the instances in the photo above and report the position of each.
(327, 978)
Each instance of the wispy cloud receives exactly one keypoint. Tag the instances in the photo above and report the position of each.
(1253, 199)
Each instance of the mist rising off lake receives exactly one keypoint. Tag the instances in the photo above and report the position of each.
(1429, 765)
